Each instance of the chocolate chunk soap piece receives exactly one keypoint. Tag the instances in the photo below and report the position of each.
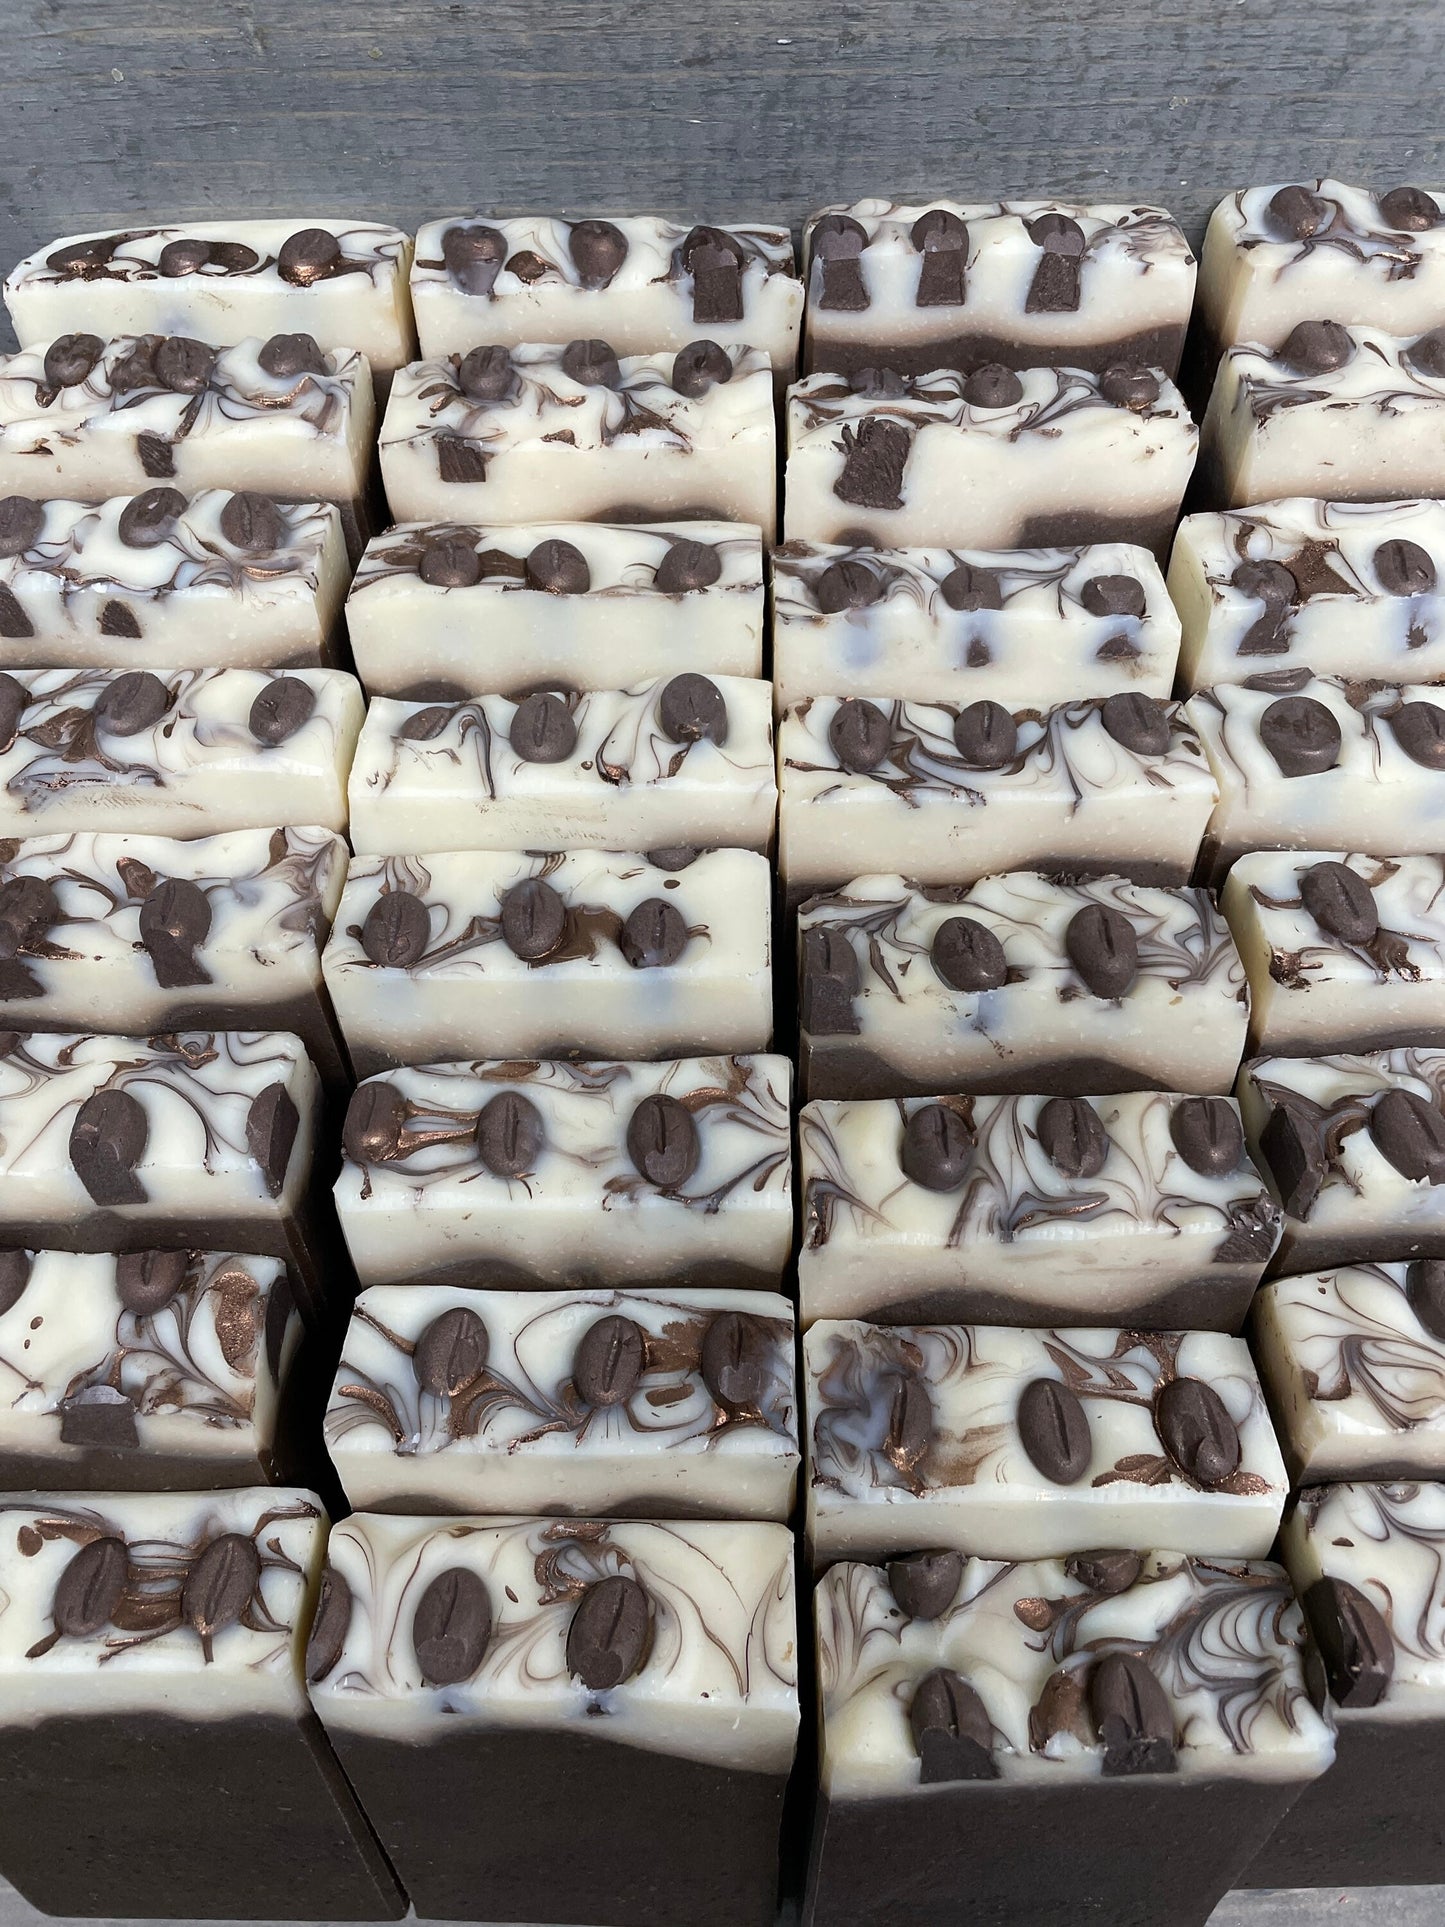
(586, 1722)
(183, 753)
(604, 1403)
(687, 759)
(341, 282)
(962, 284)
(583, 433)
(545, 1174)
(995, 459)
(1366, 1561)
(147, 1369)
(1035, 1443)
(448, 608)
(1340, 588)
(552, 954)
(1351, 414)
(1024, 982)
(1141, 1210)
(970, 624)
(231, 580)
(642, 282)
(144, 934)
(1110, 1737)
(949, 792)
(1354, 1147)
(1343, 951)
(156, 1720)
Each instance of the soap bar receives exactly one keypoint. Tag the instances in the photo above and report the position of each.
(686, 760)
(152, 1666)
(1280, 254)
(1109, 1737)
(441, 609)
(584, 434)
(552, 1721)
(1354, 1147)
(1024, 982)
(89, 418)
(1046, 457)
(579, 953)
(960, 284)
(641, 282)
(971, 624)
(1034, 1444)
(151, 1370)
(1342, 588)
(225, 580)
(1366, 1561)
(1344, 952)
(1140, 1210)
(1351, 414)
(341, 282)
(183, 754)
(1354, 1360)
(603, 1403)
(1322, 762)
(953, 791)
(144, 934)
(546, 1174)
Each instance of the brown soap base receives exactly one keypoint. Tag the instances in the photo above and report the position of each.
(1375, 1819)
(139, 1815)
(1146, 348)
(1064, 529)
(500, 1274)
(839, 1067)
(1219, 1302)
(1300, 1250)
(540, 1826)
(1144, 1852)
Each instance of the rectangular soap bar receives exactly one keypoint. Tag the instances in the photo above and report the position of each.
(144, 934)
(575, 1721)
(1350, 414)
(1034, 1444)
(146, 1370)
(949, 792)
(1344, 952)
(960, 284)
(443, 608)
(611, 1404)
(580, 953)
(1354, 1362)
(225, 580)
(1322, 762)
(1354, 1148)
(1024, 982)
(1129, 1729)
(343, 282)
(685, 760)
(547, 434)
(184, 754)
(1140, 1210)
(1341, 588)
(152, 1666)
(970, 624)
(545, 1174)
(1046, 457)
(638, 281)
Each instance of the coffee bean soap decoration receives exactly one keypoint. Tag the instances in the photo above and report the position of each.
(614, 1173)
(155, 1642)
(1039, 1443)
(585, 429)
(681, 1636)
(1107, 1667)
(682, 758)
(1028, 981)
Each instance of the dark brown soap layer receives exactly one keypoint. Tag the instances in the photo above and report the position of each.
(643, 1505)
(548, 1826)
(970, 349)
(94, 1469)
(840, 1069)
(1067, 529)
(500, 1274)
(1374, 1248)
(143, 1816)
(1219, 1302)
